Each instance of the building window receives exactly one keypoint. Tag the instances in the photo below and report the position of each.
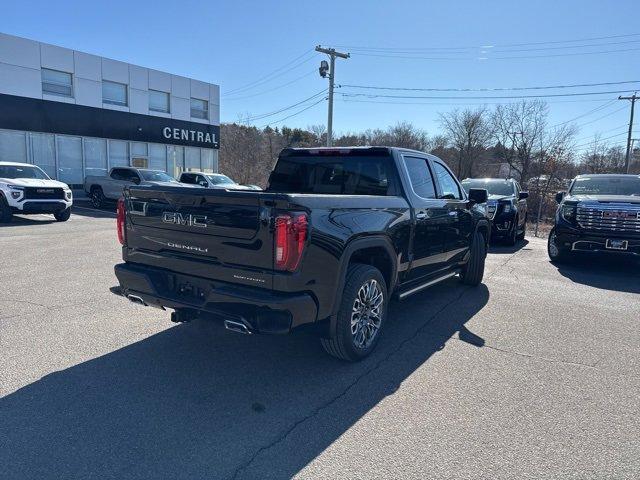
(158, 101)
(199, 108)
(56, 83)
(114, 93)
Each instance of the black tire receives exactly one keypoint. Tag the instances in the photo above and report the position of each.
(557, 254)
(5, 212)
(473, 271)
(344, 344)
(63, 216)
(512, 238)
(97, 197)
(524, 229)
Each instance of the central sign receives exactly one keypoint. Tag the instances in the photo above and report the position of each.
(189, 135)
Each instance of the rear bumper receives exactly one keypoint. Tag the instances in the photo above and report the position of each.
(262, 311)
(576, 240)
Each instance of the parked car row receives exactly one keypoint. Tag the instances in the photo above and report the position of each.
(27, 189)
(336, 234)
(110, 187)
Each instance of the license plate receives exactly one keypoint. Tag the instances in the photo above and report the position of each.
(616, 244)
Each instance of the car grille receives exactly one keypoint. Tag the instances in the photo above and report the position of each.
(623, 218)
(43, 193)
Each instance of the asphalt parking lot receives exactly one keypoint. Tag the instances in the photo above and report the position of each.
(534, 374)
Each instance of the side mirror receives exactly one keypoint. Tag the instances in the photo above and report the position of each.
(478, 195)
(523, 195)
(559, 197)
(136, 180)
(202, 183)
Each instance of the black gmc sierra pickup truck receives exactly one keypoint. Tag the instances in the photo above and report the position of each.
(599, 214)
(336, 234)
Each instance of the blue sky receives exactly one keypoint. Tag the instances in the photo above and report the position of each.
(237, 43)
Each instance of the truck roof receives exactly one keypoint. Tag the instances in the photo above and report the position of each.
(373, 149)
(607, 175)
(16, 164)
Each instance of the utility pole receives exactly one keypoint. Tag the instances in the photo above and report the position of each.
(323, 72)
(633, 99)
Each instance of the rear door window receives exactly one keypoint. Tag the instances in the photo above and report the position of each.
(448, 184)
(420, 176)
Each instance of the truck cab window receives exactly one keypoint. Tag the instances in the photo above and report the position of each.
(420, 176)
(337, 175)
(449, 186)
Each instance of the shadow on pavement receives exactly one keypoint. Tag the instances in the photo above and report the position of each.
(607, 272)
(25, 220)
(501, 248)
(85, 209)
(195, 401)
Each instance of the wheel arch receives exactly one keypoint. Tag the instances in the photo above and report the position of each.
(377, 251)
(484, 228)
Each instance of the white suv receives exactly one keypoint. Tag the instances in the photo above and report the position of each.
(26, 189)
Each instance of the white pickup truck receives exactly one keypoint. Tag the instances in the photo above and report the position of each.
(110, 187)
(213, 180)
(27, 189)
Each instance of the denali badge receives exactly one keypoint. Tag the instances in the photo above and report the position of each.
(190, 220)
(187, 247)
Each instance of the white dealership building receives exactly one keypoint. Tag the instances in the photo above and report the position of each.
(75, 114)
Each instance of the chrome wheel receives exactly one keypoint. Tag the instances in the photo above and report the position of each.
(366, 314)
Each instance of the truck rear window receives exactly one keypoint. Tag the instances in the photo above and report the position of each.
(334, 174)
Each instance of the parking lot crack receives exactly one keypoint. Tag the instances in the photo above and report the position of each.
(542, 359)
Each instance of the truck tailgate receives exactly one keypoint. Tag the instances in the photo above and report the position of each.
(217, 234)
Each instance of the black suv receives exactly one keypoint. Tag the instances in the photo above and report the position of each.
(506, 207)
(599, 213)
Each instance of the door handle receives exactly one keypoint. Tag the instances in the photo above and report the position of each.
(422, 215)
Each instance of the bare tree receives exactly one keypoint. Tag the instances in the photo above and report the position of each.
(554, 157)
(518, 127)
(469, 132)
(320, 132)
(600, 157)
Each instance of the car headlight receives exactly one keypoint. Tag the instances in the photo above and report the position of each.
(568, 213)
(15, 191)
(68, 194)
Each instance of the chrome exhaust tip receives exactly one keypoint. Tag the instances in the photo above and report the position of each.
(238, 327)
(136, 299)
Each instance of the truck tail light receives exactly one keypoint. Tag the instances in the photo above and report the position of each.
(291, 236)
(120, 220)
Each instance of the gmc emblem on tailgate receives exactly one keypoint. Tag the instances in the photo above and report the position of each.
(180, 219)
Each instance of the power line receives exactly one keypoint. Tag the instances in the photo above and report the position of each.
(600, 140)
(610, 102)
(275, 88)
(274, 74)
(603, 116)
(270, 114)
(294, 114)
(556, 42)
(498, 89)
(551, 95)
(491, 48)
(462, 103)
(512, 57)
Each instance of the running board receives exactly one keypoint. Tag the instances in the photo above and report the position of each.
(426, 285)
